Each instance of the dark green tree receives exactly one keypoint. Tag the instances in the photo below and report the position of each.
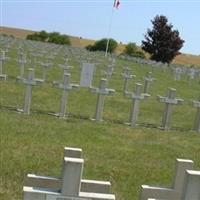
(100, 45)
(162, 42)
(43, 35)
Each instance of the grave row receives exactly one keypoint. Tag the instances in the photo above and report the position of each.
(137, 96)
(53, 50)
(71, 186)
(87, 73)
(192, 72)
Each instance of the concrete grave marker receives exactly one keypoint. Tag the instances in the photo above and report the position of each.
(30, 82)
(173, 193)
(87, 72)
(136, 97)
(170, 101)
(177, 73)
(127, 77)
(45, 67)
(102, 92)
(3, 59)
(109, 72)
(191, 190)
(148, 79)
(197, 118)
(66, 87)
(71, 186)
(22, 61)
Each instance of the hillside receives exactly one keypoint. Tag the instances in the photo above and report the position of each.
(113, 151)
(183, 59)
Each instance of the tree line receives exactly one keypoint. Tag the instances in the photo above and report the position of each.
(161, 43)
(54, 37)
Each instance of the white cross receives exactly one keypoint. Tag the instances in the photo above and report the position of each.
(102, 92)
(173, 193)
(66, 87)
(30, 82)
(170, 101)
(136, 97)
(71, 186)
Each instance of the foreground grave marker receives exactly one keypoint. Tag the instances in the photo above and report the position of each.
(71, 186)
(66, 87)
(170, 101)
(102, 92)
(179, 189)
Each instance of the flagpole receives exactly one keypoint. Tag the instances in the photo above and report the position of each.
(109, 30)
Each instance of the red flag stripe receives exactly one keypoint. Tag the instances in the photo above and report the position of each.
(116, 4)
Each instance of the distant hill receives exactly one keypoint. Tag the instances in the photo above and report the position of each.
(185, 59)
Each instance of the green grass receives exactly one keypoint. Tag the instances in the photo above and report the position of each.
(113, 151)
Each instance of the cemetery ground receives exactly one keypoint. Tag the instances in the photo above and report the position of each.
(113, 151)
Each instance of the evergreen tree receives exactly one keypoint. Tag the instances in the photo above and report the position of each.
(162, 43)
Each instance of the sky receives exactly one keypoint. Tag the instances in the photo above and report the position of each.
(96, 19)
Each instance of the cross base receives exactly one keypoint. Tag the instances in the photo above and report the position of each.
(100, 121)
(129, 124)
(3, 77)
(58, 115)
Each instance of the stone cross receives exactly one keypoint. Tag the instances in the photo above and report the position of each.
(173, 193)
(127, 77)
(102, 92)
(191, 73)
(136, 97)
(197, 118)
(148, 79)
(177, 73)
(170, 101)
(109, 72)
(30, 82)
(22, 61)
(191, 186)
(3, 59)
(70, 186)
(67, 68)
(34, 58)
(45, 67)
(66, 87)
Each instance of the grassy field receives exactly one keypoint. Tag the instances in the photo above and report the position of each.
(113, 151)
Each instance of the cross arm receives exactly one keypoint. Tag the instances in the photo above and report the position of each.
(148, 192)
(105, 91)
(196, 104)
(54, 184)
(161, 98)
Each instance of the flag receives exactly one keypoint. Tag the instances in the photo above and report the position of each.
(116, 4)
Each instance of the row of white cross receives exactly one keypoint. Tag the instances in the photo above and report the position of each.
(71, 186)
(102, 92)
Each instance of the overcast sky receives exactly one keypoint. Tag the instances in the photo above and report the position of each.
(91, 18)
